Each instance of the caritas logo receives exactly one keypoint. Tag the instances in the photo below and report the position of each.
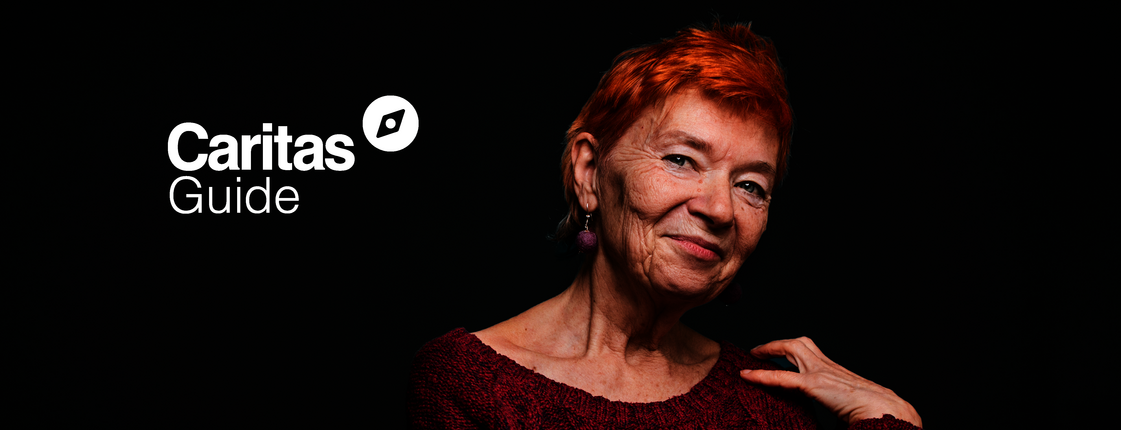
(390, 123)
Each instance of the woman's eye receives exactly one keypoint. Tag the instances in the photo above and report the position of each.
(679, 160)
(753, 188)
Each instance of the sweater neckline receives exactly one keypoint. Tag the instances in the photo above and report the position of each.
(697, 400)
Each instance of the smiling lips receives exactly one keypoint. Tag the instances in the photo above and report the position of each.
(698, 247)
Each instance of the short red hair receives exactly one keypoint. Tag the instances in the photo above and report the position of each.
(728, 64)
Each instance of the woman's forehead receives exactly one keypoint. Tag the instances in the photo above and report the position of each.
(691, 118)
(691, 104)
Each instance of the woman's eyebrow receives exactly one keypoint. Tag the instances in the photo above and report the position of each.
(679, 136)
(760, 166)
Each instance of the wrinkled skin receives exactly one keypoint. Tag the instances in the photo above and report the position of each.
(686, 171)
(849, 396)
(678, 204)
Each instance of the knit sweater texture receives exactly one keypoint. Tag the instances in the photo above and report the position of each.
(458, 382)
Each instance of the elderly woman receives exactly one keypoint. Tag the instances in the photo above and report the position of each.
(668, 170)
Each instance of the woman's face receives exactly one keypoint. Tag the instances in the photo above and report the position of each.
(683, 197)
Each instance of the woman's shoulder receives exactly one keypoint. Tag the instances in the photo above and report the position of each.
(743, 359)
(453, 380)
(456, 350)
(780, 407)
(450, 340)
(463, 357)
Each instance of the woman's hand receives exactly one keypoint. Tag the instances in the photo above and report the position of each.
(845, 393)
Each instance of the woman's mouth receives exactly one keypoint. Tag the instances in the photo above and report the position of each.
(698, 247)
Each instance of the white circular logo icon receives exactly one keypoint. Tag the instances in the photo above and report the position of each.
(390, 123)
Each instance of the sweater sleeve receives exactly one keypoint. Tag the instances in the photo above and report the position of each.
(447, 391)
(887, 422)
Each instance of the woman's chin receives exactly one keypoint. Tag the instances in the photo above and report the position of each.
(685, 285)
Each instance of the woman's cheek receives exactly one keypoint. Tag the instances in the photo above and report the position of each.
(647, 190)
(754, 222)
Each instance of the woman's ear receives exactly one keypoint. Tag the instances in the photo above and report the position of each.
(584, 163)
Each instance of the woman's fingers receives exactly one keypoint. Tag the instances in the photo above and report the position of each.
(801, 351)
(845, 393)
(773, 378)
(802, 345)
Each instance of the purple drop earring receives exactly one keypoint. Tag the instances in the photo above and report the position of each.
(586, 240)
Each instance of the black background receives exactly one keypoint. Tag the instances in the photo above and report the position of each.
(886, 244)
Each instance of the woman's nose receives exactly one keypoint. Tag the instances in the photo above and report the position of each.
(713, 202)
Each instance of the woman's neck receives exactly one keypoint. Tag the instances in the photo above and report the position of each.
(601, 315)
(608, 339)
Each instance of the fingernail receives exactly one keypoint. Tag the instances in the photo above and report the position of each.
(745, 371)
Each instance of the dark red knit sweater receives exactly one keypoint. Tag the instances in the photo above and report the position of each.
(458, 382)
